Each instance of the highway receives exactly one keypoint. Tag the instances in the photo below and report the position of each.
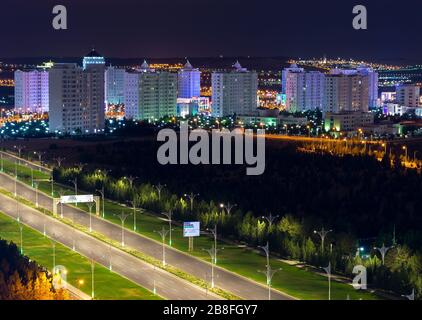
(224, 279)
(168, 286)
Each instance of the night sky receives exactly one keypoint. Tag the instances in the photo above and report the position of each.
(179, 28)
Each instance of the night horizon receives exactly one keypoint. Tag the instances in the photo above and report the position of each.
(189, 28)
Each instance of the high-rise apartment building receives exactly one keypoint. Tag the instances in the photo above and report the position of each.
(150, 94)
(408, 95)
(114, 85)
(346, 91)
(31, 91)
(303, 90)
(234, 92)
(189, 82)
(77, 96)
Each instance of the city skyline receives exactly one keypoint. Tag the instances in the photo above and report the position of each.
(164, 29)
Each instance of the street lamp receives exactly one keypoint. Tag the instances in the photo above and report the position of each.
(213, 254)
(383, 251)
(328, 271)
(75, 184)
(269, 272)
(40, 154)
(92, 278)
(21, 236)
(270, 218)
(214, 233)
(135, 202)
(406, 153)
(191, 197)
(169, 216)
(123, 216)
(36, 194)
(52, 184)
(159, 187)
(411, 296)
(90, 205)
(19, 148)
(322, 233)
(163, 233)
(53, 245)
(16, 178)
(59, 161)
(130, 179)
(228, 207)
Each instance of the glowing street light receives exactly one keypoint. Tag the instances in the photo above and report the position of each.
(270, 218)
(191, 198)
(169, 216)
(59, 161)
(383, 251)
(159, 188)
(228, 207)
(322, 233)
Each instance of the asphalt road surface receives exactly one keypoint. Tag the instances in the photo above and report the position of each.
(168, 286)
(226, 280)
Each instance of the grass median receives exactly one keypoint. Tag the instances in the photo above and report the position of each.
(108, 285)
(297, 282)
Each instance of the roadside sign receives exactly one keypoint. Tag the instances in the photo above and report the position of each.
(191, 229)
(77, 199)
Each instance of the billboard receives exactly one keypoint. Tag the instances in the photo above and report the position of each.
(191, 229)
(77, 199)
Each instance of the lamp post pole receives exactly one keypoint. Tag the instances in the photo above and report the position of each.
(169, 216)
(270, 218)
(191, 196)
(21, 237)
(159, 188)
(269, 272)
(228, 207)
(90, 205)
(328, 271)
(213, 254)
(123, 216)
(322, 233)
(163, 233)
(383, 251)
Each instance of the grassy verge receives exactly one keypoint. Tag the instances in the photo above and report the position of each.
(108, 285)
(300, 283)
(175, 271)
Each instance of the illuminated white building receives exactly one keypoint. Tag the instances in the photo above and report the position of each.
(408, 95)
(234, 92)
(31, 91)
(114, 85)
(189, 82)
(303, 90)
(150, 94)
(76, 96)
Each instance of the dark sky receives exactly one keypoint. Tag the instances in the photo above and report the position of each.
(178, 28)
